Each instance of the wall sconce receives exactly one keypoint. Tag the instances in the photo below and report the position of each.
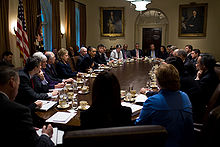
(13, 28)
(62, 30)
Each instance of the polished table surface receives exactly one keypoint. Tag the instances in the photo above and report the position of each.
(129, 74)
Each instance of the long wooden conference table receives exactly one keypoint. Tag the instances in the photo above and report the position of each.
(133, 74)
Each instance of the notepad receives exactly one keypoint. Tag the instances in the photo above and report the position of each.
(141, 98)
(61, 117)
(57, 137)
(47, 105)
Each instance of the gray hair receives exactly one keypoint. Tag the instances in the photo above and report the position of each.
(49, 55)
(181, 53)
(6, 73)
(82, 48)
(40, 55)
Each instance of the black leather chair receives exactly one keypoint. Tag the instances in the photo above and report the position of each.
(215, 99)
(150, 135)
(210, 132)
(200, 129)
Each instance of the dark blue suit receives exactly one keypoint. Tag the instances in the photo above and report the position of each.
(64, 71)
(156, 53)
(52, 73)
(100, 59)
(78, 62)
(133, 53)
(87, 63)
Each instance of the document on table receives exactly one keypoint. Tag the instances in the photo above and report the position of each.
(141, 98)
(134, 107)
(57, 89)
(47, 105)
(57, 137)
(61, 117)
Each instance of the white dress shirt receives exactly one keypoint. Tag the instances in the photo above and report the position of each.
(115, 55)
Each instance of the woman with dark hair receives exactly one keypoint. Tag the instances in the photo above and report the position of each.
(163, 54)
(170, 108)
(106, 109)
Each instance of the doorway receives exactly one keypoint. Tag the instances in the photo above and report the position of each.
(151, 27)
(149, 36)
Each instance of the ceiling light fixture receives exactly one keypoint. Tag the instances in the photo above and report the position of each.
(140, 4)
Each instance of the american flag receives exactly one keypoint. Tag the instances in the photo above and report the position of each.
(21, 33)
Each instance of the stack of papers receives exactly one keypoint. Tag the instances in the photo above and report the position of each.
(141, 98)
(61, 117)
(134, 107)
(47, 105)
(57, 89)
(57, 137)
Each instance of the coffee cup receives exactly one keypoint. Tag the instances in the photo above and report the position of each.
(83, 104)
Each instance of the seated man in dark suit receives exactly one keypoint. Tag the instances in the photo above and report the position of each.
(50, 69)
(7, 59)
(82, 53)
(195, 55)
(88, 62)
(207, 80)
(126, 53)
(153, 52)
(17, 126)
(187, 63)
(100, 57)
(188, 49)
(137, 53)
(26, 94)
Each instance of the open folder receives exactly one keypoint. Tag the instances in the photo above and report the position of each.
(47, 105)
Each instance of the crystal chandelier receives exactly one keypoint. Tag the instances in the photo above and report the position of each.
(140, 4)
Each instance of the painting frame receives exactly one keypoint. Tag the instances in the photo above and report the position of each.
(193, 20)
(112, 21)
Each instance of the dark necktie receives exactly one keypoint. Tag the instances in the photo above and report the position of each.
(125, 55)
(32, 83)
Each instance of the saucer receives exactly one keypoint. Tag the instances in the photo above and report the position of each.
(63, 107)
(129, 100)
(80, 92)
(87, 76)
(122, 97)
(80, 82)
(87, 107)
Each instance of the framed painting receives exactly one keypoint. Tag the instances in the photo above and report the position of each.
(193, 20)
(112, 21)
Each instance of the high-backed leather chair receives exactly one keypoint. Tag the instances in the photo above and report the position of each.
(150, 135)
(211, 130)
(72, 62)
